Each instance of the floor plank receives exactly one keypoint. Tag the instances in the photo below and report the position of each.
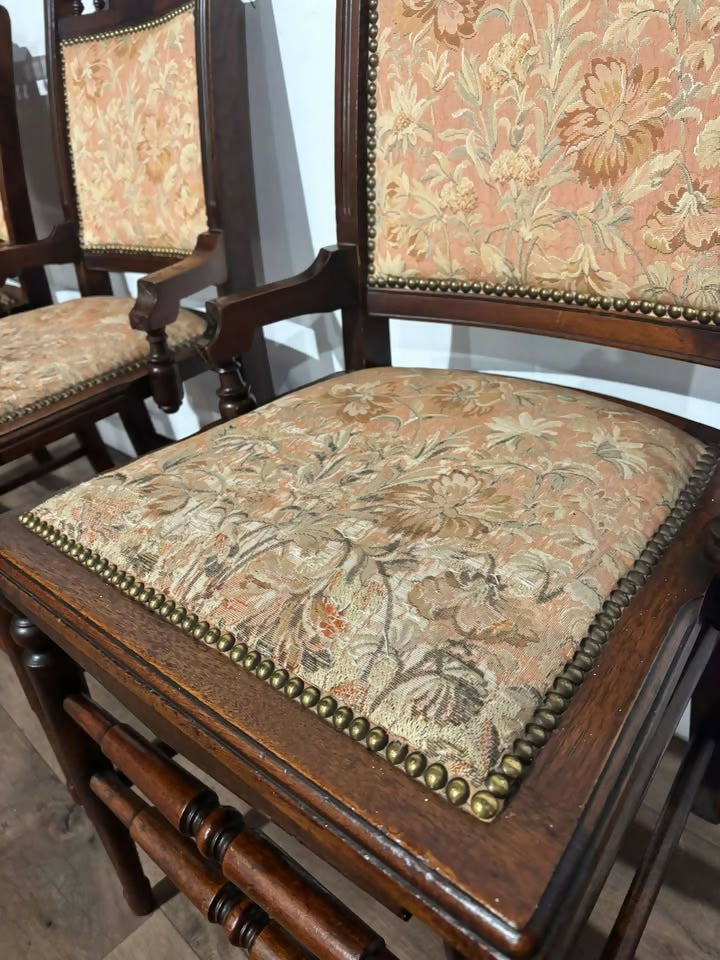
(58, 897)
(157, 939)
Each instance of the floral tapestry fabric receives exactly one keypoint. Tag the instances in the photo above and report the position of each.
(4, 229)
(428, 547)
(568, 145)
(134, 131)
(70, 344)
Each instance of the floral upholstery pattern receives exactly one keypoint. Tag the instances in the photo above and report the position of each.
(4, 228)
(569, 145)
(134, 133)
(426, 547)
(64, 346)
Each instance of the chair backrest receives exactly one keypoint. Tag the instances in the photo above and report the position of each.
(548, 166)
(16, 220)
(135, 86)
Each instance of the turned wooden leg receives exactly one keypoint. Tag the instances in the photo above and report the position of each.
(139, 427)
(705, 717)
(53, 676)
(94, 448)
(235, 395)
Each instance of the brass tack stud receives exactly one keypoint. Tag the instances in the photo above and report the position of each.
(436, 776)
(279, 679)
(498, 785)
(484, 805)
(327, 707)
(178, 615)
(294, 687)
(238, 653)
(189, 623)
(511, 767)
(415, 764)
(265, 669)
(457, 791)
(396, 752)
(310, 697)
(201, 630)
(212, 637)
(251, 660)
(225, 641)
(359, 728)
(524, 751)
(377, 739)
(342, 718)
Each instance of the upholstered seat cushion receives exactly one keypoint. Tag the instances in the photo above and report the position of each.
(54, 351)
(415, 555)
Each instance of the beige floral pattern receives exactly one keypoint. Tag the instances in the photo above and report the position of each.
(567, 145)
(134, 132)
(4, 228)
(427, 547)
(72, 343)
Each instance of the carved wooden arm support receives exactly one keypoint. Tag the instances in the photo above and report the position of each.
(158, 303)
(160, 293)
(61, 246)
(330, 283)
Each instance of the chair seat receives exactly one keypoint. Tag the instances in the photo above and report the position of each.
(428, 560)
(55, 351)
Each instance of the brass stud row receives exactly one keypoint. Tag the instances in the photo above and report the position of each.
(488, 801)
(647, 308)
(123, 31)
(118, 248)
(77, 388)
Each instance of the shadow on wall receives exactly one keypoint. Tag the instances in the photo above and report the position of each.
(306, 348)
(38, 153)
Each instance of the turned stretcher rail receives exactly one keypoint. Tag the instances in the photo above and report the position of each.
(245, 924)
(311, 914)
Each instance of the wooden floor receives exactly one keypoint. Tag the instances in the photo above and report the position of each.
(60, 901)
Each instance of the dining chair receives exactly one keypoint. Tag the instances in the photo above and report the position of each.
(440, 626)
(147, 104)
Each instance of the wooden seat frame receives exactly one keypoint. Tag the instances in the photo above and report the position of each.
(224, 256)
(521, 886)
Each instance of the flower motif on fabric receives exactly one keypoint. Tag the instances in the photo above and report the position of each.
(564, 144)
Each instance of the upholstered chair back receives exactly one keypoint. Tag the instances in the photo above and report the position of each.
(133, 132)
(565, 151)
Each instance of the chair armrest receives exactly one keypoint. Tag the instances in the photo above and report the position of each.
(61, 246)
(330, 283)
(160, 293)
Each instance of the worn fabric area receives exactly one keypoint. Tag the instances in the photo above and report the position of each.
(426, 546)
(568, 145)
(47, 351)
(134, 130)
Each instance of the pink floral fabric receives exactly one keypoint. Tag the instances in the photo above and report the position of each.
(567, 145)
(51, 349)
(134, 129)
(427, 547)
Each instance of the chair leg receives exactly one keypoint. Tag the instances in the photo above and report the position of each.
(139, 427)
(53, 676)
(705, 715)
(95, 449)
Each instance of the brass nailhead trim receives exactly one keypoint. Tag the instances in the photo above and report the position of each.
(487, 801)
(124, 31)
(91, 38)
(84, 385)
(486, 288)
